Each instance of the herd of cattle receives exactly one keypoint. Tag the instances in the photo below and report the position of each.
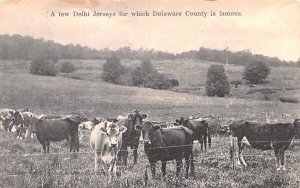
(110, 138)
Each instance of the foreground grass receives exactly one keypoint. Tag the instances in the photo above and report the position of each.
(23, 165)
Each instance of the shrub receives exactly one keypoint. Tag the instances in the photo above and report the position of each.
(112, 70)
(147, 76)
(67, 67)
(288, 99)
(216, 81)
(43, 67)
(256, 71)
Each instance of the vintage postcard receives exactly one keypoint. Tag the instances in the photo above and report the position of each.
(140, 93)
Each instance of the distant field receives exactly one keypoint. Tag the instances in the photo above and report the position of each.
(88, 95)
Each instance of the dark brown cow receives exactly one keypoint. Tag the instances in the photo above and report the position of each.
(200, 132)
(57, 130)
(265, 136)
(199, 128)
(131, 137)
(165, 144)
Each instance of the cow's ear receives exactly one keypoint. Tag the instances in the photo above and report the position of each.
(138, 127)
(156, 127)
(144, 116)
(130, 116)
(177, 120)
(123, 129)
(11, 112)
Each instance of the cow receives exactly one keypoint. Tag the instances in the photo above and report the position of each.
(23, 121)
(265, 136)
(106, 142)
(88, 125)
(56, 130)
(199, 128)
(166, 144)
(131, 136)
(6, 118)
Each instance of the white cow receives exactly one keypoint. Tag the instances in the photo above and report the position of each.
(106, 141)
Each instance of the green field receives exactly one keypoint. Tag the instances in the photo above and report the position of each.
(83, 92)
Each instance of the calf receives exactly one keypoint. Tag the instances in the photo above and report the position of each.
(106, 142)
(165, 144)
(265, 136)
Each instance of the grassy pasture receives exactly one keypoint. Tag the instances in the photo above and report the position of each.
(91, 97)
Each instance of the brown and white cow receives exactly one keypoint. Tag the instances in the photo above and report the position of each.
(106, 142)
(265, 136)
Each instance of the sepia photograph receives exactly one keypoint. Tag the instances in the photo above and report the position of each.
(150, 93)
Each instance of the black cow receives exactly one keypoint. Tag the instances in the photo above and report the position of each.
(200, 129)
(265, 136)
(56, 130)
(131, 137)
(165, 144)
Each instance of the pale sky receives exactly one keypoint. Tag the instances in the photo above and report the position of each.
(270, 28)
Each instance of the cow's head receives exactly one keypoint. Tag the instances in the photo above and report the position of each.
(113, 132)
(148, 131)
(137, 117)
(296, 125)
(182, 121)
(17, 117)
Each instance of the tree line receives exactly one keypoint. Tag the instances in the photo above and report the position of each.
(29, 48)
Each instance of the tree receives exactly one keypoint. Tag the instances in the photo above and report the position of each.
(256, 72)
(217, 83)
(112, 70)
(43, 67)
(67, 67)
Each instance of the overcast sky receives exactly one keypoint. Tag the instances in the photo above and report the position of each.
(270, 28)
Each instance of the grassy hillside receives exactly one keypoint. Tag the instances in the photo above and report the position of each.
(90, 96)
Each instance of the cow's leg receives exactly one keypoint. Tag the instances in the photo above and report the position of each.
(192, 162)
(205, 142)
(277, 155)
(187, 164)
(152, 166)
(96, 163)
(135, 155)
(44, 146)
(72, 144)
(209, 140)
(201, 143)
(125, 155)
(112, 170)
(26, 133)
(242, 159)
(48, 146)
(163, 168)
(178, 166)
(282, 159)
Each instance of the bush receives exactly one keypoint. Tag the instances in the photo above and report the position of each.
(67, 67)
(147, 76)
(256, 71)
(112, 70)
(216, 81)
(43, 67)
(288, 99)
